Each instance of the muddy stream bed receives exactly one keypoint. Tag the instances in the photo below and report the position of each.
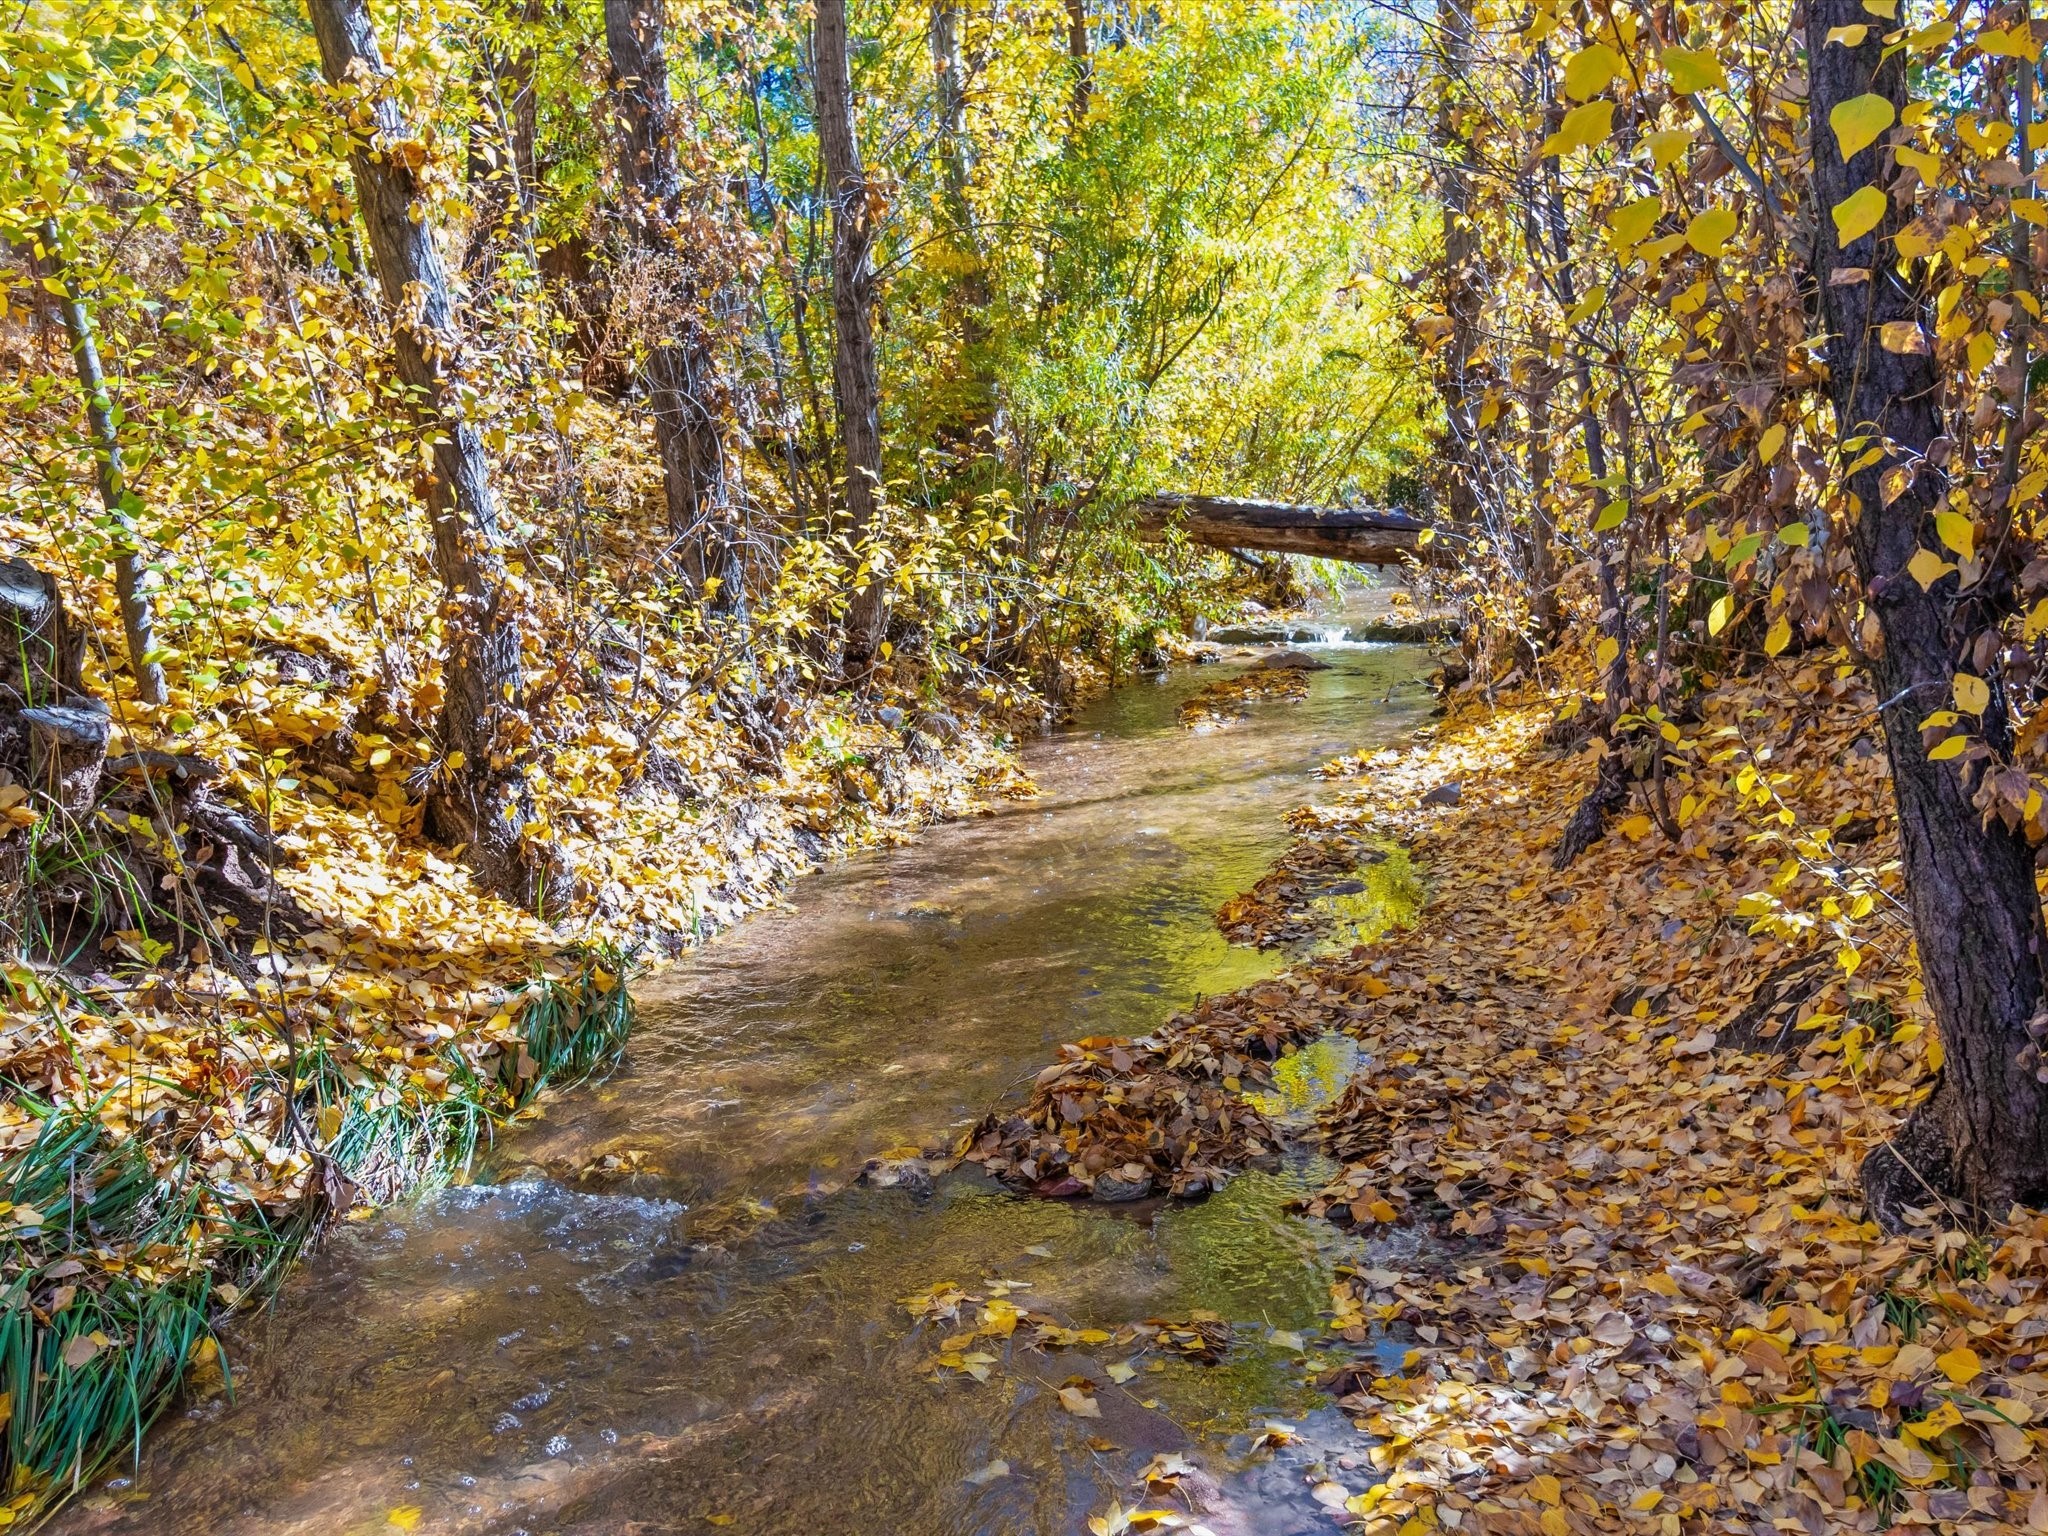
(666, 1307)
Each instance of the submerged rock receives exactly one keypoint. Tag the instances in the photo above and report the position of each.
(911, 1173)
(1294, 661)
(1115, 1189)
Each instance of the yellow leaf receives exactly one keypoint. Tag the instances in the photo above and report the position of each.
(2012, 43)
(2030, 209)
(999, 1319)
(1858, 121)
(1946, 748)
(1768, 445)
(1926, 567)
(1779, 637)
(1798, 535)
(1858, 214)
(405, 1517)
(1667, 145)
(1582, 128)
(1635, 828)
(2037, 620)
(1709, 230)
(1957, 533)
(1928, 164)
(1960, 1365)
(1588, 72)
(1973, 694)
(1603, 657)
(1719, 615)
(1079, 1403)
(1546, 1489)
(1888, 9)
(1903, 336)
(1693, 69)
(1982, 349)
(1849, 37)
(1632, 222)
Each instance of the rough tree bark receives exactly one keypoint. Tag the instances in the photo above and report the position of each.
(854, 372)
(480, 799)
(1981, 1136)
(1460, 291)
(137, 626)
(1609, 791)
(686, 391)
(969, 295)
(1079, 52)
(1544, 617)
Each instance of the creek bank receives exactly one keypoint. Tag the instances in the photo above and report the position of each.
(1622, 1108)
(257, 1002)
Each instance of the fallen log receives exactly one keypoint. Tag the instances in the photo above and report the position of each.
(1362, 536)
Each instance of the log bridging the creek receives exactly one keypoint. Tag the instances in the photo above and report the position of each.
(1362, 536)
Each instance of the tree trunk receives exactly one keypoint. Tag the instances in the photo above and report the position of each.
(1460, 270)
(1544, 617)
(480, 799)
(137, 625)
(685, 390)
(1982, 1135)
(1078, 51)
(1609, 791)
(502, 167)
(969, 294)
(854, 371)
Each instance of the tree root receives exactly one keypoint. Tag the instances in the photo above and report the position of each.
(1609, 793)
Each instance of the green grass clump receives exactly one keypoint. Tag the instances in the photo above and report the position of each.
(110, 1274)
(116, 1266)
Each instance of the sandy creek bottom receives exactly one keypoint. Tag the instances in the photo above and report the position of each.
(549, 1351)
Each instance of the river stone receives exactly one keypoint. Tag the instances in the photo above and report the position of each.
(911, 1173)
(1114, 1189)
(1293, 661)
(1248, 634)
(1405, 631)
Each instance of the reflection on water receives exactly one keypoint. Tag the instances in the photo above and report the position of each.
(716, 1340)
(1389, 896)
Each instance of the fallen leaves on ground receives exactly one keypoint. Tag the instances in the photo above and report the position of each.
(1628, 1103)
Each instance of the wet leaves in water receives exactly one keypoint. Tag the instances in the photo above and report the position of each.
(1228, 700)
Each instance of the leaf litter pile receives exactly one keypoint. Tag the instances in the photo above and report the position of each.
(1227, 701)
(1628, 1103)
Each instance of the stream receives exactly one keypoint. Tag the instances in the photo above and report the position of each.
(668, 1307)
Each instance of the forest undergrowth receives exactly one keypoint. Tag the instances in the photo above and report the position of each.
(1627, 1102)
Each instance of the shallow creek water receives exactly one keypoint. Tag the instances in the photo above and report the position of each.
(708, 1333)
